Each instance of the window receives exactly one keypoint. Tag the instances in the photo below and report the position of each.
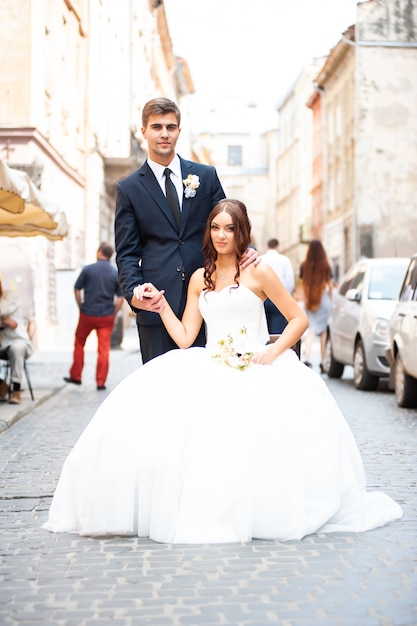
(353, 280)
(409, 291)
(384, 282)
(357, 282)
(234, 155)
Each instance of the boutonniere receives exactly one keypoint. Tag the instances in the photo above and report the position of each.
(191, 184)
(233, 352)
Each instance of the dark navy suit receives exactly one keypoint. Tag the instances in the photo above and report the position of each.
(151, 248)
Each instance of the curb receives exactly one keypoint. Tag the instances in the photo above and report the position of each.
(21, 411)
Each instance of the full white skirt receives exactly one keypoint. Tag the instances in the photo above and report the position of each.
(188, 450)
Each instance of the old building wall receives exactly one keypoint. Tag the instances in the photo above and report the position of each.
(386, 118)
(336, 82)
(15, 84)
(75, 74)
(293, 199)
(368, 95)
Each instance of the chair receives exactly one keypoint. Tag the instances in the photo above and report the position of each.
(296, 347)
(30, 325)
(8, 375)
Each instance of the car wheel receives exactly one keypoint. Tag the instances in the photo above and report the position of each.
(363, 379)
(405, 386)
(333, 368)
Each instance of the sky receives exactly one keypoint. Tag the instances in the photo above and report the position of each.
(253, 50)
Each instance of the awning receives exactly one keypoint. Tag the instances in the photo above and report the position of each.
(24, 210)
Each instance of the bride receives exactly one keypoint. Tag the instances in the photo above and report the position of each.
(234, 441)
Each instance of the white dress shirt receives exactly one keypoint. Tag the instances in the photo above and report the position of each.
(176, 176)
(282, 267)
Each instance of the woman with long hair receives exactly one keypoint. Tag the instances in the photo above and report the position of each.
(316, 277)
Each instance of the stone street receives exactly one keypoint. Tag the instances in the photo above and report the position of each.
(340, 579)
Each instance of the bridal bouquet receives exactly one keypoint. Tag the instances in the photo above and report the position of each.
(232, 351)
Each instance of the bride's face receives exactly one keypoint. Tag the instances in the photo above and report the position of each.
(223, 233)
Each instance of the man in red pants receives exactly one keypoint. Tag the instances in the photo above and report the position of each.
(99, 298)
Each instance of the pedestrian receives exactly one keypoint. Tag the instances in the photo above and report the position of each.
(15, 343)
(99, 299)
(154, 241)
(316, 281)
(282, 266)
(243, 442)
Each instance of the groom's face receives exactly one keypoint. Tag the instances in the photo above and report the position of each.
(161, 133)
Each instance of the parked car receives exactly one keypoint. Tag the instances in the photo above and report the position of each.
(358, 331)
(402, 352)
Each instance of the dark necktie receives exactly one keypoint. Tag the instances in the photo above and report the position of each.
(172, 195)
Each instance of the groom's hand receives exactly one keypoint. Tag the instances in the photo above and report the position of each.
(250, 256)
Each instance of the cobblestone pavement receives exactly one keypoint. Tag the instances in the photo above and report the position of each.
(365, 579)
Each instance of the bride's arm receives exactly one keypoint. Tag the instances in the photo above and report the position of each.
(183, 331)
(274, 289)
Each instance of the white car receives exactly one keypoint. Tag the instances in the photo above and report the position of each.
(402, 353)
(358, 331)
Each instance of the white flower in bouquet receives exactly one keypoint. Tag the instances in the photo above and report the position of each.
(234, 352)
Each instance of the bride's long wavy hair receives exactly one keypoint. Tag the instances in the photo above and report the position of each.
(242, 232)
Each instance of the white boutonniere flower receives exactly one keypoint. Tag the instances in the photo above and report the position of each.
(233, 352)
(191, 184)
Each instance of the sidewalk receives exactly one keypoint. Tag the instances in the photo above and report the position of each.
(47, 369)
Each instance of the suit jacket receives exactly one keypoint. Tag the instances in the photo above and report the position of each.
(149, 245)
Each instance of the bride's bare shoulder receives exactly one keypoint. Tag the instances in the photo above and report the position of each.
(259, 278)
(198, 274)
(252, 276)
(264, 270)
(257, 271)
(197, 279)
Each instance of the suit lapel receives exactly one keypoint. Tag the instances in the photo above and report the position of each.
(187, 203)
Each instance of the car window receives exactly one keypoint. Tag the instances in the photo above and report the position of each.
(385, 282)
(345, 285)
(408, 290)
(357, 282)
(348, 281)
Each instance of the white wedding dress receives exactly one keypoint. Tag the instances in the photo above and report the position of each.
(189, 450)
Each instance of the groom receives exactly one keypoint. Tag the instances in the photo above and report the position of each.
(155, 241)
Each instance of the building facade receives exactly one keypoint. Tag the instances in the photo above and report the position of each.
(385, 189)
(332, 102)
(75, 77)
(365, 129)
(292, 193)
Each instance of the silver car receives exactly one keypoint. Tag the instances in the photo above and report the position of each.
(358, 332)
(402, 353)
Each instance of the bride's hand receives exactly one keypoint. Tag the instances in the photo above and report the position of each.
(147, 290)
(147, 297)
(264, 358)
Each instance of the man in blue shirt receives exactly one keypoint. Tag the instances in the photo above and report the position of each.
(99, 298)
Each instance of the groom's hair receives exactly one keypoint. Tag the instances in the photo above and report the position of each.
(160, 106)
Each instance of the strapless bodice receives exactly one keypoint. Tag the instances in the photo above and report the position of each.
(230, 310)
